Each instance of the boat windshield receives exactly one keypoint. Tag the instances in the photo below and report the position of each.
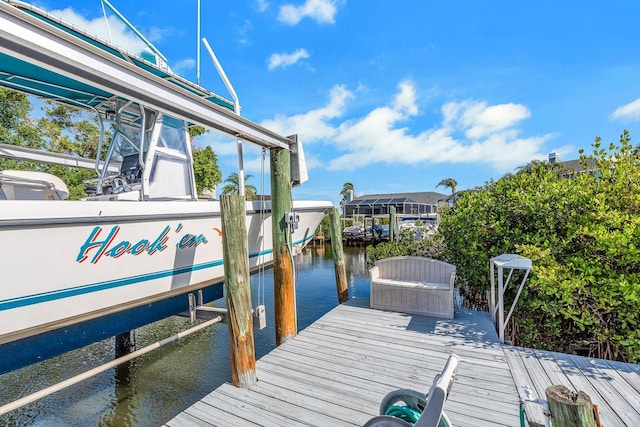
(125, 143)
(173, 134)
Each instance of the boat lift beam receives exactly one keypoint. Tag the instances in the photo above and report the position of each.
(25, 153)
(29, 39)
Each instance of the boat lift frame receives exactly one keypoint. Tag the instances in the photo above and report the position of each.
(34, 41)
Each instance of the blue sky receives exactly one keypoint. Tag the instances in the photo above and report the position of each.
(394, 96)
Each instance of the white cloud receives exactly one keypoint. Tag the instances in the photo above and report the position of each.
(323, 11)
(284, 60)
(243, 32)
(480, 120)
(629, 111)
(261, 5)
(406, 99)
(469, 132)
(157, 34)
(117, 32)
(183, 65)
(315, 125)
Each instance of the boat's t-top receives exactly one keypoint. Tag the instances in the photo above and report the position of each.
(151, 152)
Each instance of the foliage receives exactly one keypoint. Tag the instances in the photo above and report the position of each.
(449, 183)
(583, 236)
(346, 188)
(406, 246)
(15, 127)
(206, 170)
(324, 228)
(233, 185)
(68, 130)
(196, 130)
(61, 129)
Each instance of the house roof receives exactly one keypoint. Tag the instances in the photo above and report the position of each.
(426, 198)
(577, 165)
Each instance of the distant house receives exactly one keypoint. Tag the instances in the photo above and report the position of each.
(570, 168)
(418, 204)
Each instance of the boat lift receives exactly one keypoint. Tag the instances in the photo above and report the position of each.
(39, 57)
(29, 43)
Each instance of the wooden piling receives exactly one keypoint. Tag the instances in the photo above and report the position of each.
(569, 409)
(392, 223)
(124, 344)
(283, 284)
(238, 290)
(338, 256)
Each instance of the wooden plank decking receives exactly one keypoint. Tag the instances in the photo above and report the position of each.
(613, 386)
(336, 372)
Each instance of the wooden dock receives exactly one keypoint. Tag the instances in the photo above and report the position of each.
(336, 372)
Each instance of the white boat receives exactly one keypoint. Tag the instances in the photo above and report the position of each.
(131, 251)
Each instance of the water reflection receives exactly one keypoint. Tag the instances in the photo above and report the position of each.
(153, 388)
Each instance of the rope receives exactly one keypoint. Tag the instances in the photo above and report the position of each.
(404, 413)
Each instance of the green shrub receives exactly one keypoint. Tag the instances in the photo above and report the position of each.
(583, 236)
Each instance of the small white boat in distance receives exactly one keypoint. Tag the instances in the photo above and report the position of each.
(74, 272)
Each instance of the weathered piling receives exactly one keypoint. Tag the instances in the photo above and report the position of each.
(392, 223)
(124, 344)
(238, 290)
(569, 409)
(338, 256)
(283, 283)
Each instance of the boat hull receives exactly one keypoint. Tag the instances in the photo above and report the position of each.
(66, 263)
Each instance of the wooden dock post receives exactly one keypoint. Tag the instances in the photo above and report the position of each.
(569, 409)
(238, 290)
(283, 284)
(124, 344)
(392, 223)
(338, 256)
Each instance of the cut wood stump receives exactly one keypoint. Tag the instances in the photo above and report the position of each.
(569, 409)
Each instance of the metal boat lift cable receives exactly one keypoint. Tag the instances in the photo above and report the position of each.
(88, 374)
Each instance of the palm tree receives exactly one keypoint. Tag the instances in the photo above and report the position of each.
(449, 183)
(346, 189)
(233, 180)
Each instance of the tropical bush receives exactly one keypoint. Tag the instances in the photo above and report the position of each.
(581, 229)
(407, 245)
(582, 232)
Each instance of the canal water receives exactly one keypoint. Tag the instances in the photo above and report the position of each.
(152, 389)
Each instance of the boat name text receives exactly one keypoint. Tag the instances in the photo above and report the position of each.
(95, 247)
